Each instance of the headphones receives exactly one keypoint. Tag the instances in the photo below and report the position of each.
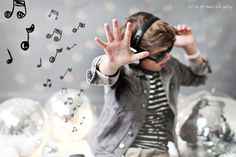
(135, 48)
(139, 34)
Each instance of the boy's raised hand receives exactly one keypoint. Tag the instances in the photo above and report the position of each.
(184, 38)
(117, 49)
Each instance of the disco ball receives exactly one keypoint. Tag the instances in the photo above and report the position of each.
(9, 152)
(71, 115)
(208, 127)
(22, 123)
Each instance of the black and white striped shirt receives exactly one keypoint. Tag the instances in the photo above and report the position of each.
(156, 129)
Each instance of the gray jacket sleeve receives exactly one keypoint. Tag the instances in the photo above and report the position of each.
(94, 76)
(193, 74)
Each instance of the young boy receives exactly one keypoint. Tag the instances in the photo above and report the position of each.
(142, 83)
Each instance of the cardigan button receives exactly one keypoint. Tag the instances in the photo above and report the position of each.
(145, 91)
(130, 133)
(121, 145)
(143, 105)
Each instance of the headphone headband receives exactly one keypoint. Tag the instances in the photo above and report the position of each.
(139, 35)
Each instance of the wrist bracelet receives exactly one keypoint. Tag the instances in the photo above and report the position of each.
(194, 56)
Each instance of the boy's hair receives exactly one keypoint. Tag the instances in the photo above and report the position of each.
(159, 34)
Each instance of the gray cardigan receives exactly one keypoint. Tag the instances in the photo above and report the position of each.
(126, 99)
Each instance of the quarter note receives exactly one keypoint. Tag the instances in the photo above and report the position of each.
(82, 120)
(55, 13)
(68, 48)
(9, 61)
(40, 63)
(68, 69)
(48, 83)
(69, 101)
(82, 25)
(20, 14)
(56, 38)
(53, 58)
(25, 44)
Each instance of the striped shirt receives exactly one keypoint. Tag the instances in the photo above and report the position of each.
(155, 132)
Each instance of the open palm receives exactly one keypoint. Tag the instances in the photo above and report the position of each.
(117, 49)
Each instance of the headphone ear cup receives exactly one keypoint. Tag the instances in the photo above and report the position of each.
(134, 51)
(135, 47)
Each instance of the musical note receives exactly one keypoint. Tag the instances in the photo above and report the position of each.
(40, 63)
(68, 69)
(55, 13)
(69, 100)
(64, 89)
(74, 129)
(66, 119)
(77, 155)
(80, 104)
(48, 83)
(68, 48)
(80, 91)
(20, 14)
(73, 112)
(74, 109)
(25, 44)
(71, 115)
(53, 58)
(56, 31)
(9, 61)
(82, 120)
(82, 25)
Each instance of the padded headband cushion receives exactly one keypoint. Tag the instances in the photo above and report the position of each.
(139, 35)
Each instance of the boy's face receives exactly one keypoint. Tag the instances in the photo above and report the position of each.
(151, 65)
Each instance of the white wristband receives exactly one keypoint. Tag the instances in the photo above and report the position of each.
(194, 56)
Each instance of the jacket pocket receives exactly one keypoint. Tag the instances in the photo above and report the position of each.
(106, 122)
(114, 137)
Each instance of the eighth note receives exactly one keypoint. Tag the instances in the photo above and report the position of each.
(69, 100)
(64, 89)
(82, 25)
(53, 58)
(56, 31)
(68, 69)
(68, 48)
(40, 64)
(25, 44)
(9, 61)
(74, 129)
(48, 83)
(80, 91)
(55, 13)
(20, 14)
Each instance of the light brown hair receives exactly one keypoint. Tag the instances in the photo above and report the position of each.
(160, 33)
